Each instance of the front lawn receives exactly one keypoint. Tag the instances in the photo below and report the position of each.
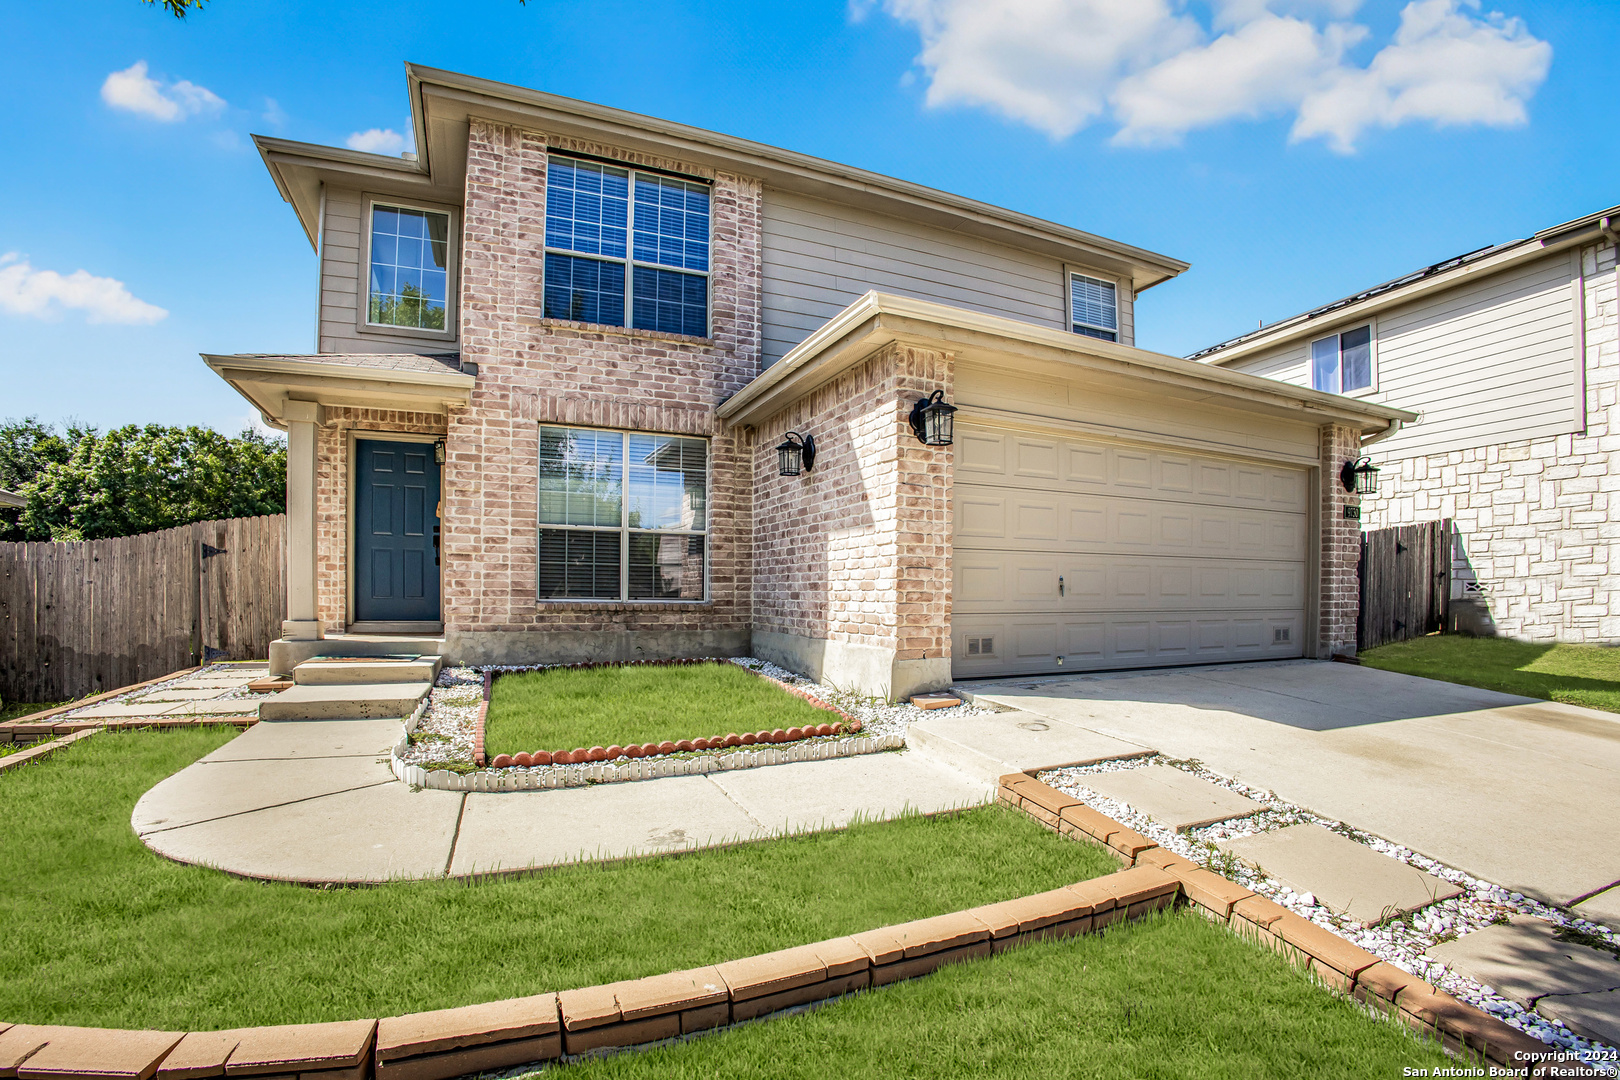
(1574, 674)
(566, 708)
(1170, 997)
(106, 933)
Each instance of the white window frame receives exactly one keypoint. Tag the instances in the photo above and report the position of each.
(1069, 321)
(624, 529)
(1371, 323)
(630, 262)
(452, 268)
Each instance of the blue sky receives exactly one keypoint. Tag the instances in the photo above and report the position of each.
(1291, 150)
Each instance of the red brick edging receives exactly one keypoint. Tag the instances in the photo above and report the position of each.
(582, 755)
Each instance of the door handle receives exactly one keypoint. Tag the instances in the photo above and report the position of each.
(435, 543)
(1060, 584)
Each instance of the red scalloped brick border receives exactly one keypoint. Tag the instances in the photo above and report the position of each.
(584, 755)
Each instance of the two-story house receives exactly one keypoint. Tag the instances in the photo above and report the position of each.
(570, 362)
(1511, 356)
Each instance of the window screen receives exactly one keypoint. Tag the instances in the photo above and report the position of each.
(1094, 307)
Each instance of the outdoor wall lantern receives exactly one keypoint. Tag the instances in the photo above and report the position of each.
(932, 420)
(797, 452)
(1360, 476)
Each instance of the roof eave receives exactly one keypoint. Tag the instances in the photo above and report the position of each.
(268, 383)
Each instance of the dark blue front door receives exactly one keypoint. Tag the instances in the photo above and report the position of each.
(396, 525)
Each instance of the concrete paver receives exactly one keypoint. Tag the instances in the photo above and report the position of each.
(1522, 960)
(220, 707)
(124, 710)
(992, 746)
(1597, 1016)
(288, 739)
(1173, 797)
(514, 830)
(813, 795)
(380, 833)
(1507, 788)
(1348, 877)
(1604, 907)
(184, 692)
(215, 789)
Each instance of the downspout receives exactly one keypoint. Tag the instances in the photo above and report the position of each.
(1394, 426)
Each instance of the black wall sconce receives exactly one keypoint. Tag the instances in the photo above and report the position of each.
(796, 453)
(1359, 477)
(933, 421)
(438, 451)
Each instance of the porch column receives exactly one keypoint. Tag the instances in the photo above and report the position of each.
(303, 622)
(1339, 601)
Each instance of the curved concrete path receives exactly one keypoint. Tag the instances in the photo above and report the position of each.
(315, 801)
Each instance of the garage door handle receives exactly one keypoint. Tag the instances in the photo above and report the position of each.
(1060, 584)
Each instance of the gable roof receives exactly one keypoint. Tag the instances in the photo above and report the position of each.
(1440, 275)
(442, 102)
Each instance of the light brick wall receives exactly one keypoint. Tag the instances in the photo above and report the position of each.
(859, 549)
(332, 496)
(533, 369)
(1341, 547)
(1534, 518)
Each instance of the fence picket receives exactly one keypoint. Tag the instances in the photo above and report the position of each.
(1405, 582)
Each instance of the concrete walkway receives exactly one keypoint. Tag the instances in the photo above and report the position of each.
(1517, 791)
(315, 801)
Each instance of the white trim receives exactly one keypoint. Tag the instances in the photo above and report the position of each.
(452, 269)
(1577, 288)
(624, 530)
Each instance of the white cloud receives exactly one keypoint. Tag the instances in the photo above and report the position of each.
(43, 293)
(274, 114)
(1155, 71)
(377, 141)
(1445, 66)
(133, 90)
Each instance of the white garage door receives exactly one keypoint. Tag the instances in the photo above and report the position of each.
(1076, 554)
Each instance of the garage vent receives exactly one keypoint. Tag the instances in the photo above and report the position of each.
(1280, 635)
(981, 646)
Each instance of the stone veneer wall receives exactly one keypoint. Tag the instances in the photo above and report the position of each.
(852, 561)
(1340, 596)
(332, 496)
(1534, 519)
(532, 369)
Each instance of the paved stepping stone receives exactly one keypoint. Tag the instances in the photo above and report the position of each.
(1173, 797)
(186, 693)
(125, 709)
(1597, 1016)
(1523, 960)
(1348, 877)
(1603, 908)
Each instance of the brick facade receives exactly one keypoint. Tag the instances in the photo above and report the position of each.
(1533, 519)
(858, 551)
(1339, 602)
(531, 369)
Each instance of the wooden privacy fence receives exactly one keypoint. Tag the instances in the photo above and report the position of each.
(1405, 582)
(80, 618)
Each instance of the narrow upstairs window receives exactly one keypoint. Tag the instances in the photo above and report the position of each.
(1093, 307)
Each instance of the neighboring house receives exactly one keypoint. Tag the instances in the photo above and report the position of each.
(559, 349)
(1511, 356)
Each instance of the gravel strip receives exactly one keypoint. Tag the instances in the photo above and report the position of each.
(1403, 942)
(877, 717)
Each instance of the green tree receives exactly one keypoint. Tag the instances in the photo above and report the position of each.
(178, 8)
(139, 479)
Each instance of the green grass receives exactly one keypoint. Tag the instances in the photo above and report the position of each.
(1574, 674)
(16, 710)
(102, 932)
(568, 708)
(1171, 996)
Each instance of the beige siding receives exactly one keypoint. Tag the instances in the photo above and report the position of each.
(820, 257)
(1488, 361)
(342, 251)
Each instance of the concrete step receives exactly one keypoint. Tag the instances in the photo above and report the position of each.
(350, 671)
(369, 701)
(287, 654)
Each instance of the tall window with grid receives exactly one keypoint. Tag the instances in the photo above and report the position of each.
(1093, 307)
(410, 262)
(626, 248)
(623, 515)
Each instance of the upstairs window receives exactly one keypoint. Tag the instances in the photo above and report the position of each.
(626, 248)
(623, 515)
(1342, 364)
(1093, 307)
(409, 275)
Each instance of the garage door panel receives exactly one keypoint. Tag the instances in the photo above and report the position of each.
(1077, 554)
(1034, 644)
(995, 583)
(991, 517)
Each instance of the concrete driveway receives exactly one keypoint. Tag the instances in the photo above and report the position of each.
(1515, 790)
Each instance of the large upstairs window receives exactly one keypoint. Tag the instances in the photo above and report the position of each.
(623, 515)
(408, 280)
(1093, 307)
(626, 248)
